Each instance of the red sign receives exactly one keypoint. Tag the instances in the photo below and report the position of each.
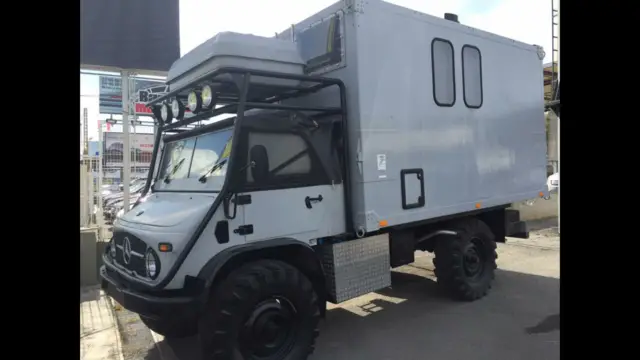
(142, 109)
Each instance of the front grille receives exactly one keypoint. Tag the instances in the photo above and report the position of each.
(135, 261)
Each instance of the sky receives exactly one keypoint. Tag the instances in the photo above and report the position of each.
(528, 21)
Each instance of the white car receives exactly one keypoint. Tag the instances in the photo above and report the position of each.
(553, 182)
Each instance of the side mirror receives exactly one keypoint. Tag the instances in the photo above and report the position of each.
(230, 200)
(259, 161)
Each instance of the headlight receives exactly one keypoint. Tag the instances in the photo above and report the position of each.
(152, 264)
(177, 109)
(195, 102)
(207, 96)
(112, 248)
(165, 113)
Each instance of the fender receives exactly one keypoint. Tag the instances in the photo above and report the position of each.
(265, 250)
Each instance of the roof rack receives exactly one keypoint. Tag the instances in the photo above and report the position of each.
(258, 96)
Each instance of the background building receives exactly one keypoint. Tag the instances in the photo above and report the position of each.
(549, 73)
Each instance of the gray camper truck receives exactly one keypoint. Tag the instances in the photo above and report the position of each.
(361, 135)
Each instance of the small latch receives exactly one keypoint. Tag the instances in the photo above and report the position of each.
(242, 200)
(244, 230)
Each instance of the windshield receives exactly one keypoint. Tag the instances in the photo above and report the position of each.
(136, 187)
(193, 158)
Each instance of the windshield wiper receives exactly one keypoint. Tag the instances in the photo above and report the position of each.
(167, 179)
(215, 167)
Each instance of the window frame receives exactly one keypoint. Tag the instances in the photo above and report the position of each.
(333, 58)
(165, 154)
(195, 146)
(187, 184)
(317, 176)
(464, 85)
(453, 70)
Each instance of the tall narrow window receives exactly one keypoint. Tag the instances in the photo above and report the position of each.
(442, 66)
(472, 76)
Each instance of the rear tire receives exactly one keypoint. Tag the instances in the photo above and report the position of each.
(465, 264)
(266, 310)
(171, 328)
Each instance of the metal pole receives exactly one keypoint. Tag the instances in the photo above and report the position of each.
(558, 140)
(89, 180)
(558, 175)
(126, 141)
(99, 216)
(135, 160)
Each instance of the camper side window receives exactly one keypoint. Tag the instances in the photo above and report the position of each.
(442, 67)
(472, 76)
(288, 158)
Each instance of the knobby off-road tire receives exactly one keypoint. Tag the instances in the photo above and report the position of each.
(465, 264)
(171, 328)
(265, 310)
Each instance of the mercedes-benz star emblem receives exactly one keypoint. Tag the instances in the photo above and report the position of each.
(126, 250)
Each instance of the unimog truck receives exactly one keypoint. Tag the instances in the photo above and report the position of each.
(359, 136)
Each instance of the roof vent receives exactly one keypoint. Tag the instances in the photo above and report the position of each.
(451, 17)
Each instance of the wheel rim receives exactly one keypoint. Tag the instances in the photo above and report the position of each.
(269, 331)
(474, 259)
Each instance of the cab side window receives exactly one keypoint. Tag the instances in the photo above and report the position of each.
(281, 160)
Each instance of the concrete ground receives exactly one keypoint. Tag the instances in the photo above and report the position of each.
(99, 338)
(519, 319)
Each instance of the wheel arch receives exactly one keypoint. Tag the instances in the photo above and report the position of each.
(495, 219)
(293, 252)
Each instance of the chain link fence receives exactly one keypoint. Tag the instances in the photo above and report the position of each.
(91, 190)
(103, 166)
(102, 176)
(141, 151)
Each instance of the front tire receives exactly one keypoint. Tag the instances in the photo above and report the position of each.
(465, 264)
(173, 329)
(265, 310)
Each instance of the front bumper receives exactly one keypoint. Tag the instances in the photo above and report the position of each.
(152, 305)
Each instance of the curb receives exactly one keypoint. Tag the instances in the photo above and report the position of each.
(116, 324)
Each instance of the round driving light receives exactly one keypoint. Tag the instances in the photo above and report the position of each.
(152, 264)
(207, 96)
(112, 249)
(195, 102)
(177, 109)
(165, 113)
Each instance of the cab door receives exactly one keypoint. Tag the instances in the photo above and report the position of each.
(287, 191)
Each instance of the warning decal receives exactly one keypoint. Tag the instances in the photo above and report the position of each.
(382, 162)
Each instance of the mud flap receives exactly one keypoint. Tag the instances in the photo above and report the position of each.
(514, 227)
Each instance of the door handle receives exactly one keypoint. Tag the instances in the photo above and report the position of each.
(308, 200)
